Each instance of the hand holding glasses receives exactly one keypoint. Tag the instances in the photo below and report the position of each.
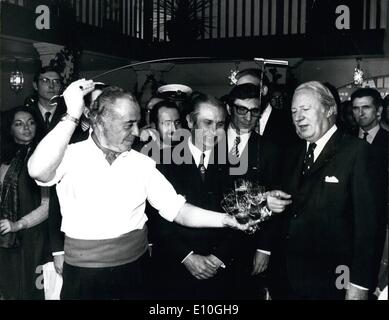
(247, 203)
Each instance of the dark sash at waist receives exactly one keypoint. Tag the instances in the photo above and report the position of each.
(107, 252)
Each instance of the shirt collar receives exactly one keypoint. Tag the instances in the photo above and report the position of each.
(197, 153)
(371, 133)
(321, 143)
(43, 110)
(231, 136)
(93, 141)
(264, 118)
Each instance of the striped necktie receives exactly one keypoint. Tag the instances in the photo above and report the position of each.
(235, 149)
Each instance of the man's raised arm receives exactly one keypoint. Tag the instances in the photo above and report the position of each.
(50, 151)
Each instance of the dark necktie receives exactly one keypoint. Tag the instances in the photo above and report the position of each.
(365, 134)
(308, 159)
(235, 149)
(47, 119)
(202, 167)
(111, 156)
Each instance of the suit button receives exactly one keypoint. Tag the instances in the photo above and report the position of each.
(295, 216)
(287, 237)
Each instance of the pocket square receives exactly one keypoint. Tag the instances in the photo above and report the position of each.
(331, 179)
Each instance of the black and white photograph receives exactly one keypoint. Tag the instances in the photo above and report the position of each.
(194, 156)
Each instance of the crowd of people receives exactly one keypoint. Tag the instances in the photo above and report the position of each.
(126, 199)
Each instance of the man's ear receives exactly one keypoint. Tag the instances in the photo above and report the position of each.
(86, 112)
(265, 90)
(34, 86)
(228, 109)
(379, 111)
(331, 111)
(189, 120)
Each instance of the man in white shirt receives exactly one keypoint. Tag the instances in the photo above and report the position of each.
(102, 187)
(332, 228)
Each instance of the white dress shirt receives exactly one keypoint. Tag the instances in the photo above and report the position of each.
(102, 201)
(231, 136)
(197, 153)
(321, 143)
(264, 118)
(371, 133)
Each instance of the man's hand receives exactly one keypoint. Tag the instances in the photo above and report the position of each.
(354, 293)
(231, 222)
(277, 200)
(215, 261)
(201, 267)
(146, 132)
(260, 262)
(58, 263)
(7, 226)
(74, 96)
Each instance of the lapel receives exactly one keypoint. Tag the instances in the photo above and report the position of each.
(39, 115)
(251, 152)
(381, 139)
(271, 122)
(327, 154)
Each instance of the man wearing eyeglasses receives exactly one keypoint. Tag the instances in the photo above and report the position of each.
(274, 124)
(48, 83)
(253, 158)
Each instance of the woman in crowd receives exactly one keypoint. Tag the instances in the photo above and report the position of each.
(23, 211)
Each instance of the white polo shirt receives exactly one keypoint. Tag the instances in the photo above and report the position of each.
(102, 201)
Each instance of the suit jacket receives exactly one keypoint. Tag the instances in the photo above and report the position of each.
(262, 161)
(259, 162)
(333, 220)
(59, 111)
(279, 129)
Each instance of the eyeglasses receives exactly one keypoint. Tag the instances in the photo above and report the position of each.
(47, 81)
(255, 112)
(169, 123)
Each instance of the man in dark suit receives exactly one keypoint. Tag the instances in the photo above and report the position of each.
(48, 83)
(275, 125)
(190, 262)
(332, 227)
(254, 158)
(367, 106)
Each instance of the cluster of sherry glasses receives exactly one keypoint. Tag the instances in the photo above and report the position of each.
(247, 203)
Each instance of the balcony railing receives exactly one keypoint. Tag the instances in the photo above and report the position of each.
(146, 19)
(122, 16)
(255, 18)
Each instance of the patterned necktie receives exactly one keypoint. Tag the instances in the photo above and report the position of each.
(308, 159)
(47, 119)
(202, 167)
(365, 134)
(111, 156)
(235, 149)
